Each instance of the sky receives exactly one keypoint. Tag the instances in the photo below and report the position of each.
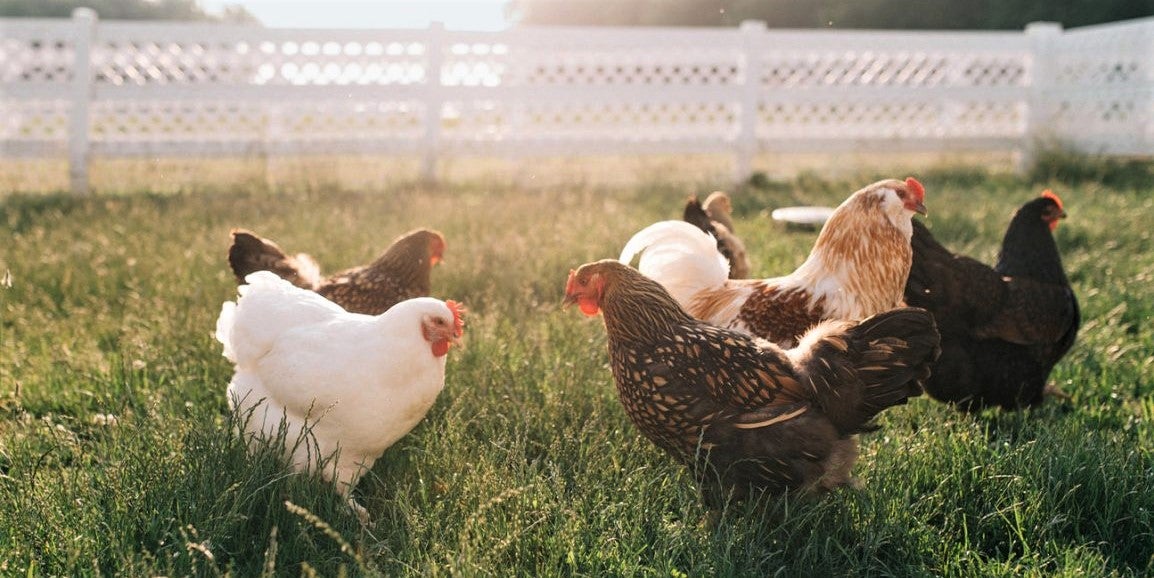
(454, 14)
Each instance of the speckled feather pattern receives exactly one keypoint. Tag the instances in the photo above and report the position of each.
(402, 272)
(687, 386)
(740, 411)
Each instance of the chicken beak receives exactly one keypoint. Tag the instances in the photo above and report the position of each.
(570, 294)
(920, 209)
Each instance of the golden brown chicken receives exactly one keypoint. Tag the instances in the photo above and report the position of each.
(401, 272)
(740, 411)
(858, 267)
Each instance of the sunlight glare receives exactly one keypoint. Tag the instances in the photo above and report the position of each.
(454, 14)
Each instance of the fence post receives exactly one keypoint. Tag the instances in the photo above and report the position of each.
(434, 101)
(83, 89)
(1042, 37)
(1146, 138)
(751, 33)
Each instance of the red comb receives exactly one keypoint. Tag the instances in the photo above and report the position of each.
(916, 188)
(458, 317)
(1048, 194)
(569, 283)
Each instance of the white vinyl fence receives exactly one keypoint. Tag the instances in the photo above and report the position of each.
(84, 87)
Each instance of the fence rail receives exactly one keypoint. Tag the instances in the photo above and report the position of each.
(85, 87)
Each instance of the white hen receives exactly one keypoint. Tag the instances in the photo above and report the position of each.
(345, 386)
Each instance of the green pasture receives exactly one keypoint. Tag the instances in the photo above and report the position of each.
(118, 456)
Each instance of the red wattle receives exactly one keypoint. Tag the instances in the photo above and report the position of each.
(588, 307)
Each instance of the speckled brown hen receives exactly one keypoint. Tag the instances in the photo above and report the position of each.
(858, 267)
(740, 411)
(401, 272)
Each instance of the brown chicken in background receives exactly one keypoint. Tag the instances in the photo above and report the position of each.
(740, 411)
(728, 243)
(857, 268)
(719, 208)
(1003, 328)
(250, 253)
(401, 272)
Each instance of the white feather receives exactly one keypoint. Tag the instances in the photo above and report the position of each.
(344, 385)
(681, 257)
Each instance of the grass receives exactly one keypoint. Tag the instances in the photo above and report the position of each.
(527, 465)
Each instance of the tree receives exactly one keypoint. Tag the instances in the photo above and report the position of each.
(883, 14)
(987, 14)
(120, 10)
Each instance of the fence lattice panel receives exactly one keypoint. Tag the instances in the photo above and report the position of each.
(124, 89)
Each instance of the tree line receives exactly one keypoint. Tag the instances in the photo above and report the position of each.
(121, 10)
(880, 14)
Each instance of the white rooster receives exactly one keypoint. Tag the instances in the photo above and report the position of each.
(339, 387)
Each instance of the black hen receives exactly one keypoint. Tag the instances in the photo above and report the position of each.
(1003, 328)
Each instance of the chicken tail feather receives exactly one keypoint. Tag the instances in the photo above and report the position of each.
(856, 371)
(679, 256)
(250, 253)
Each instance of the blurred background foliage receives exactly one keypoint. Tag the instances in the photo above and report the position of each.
(838, 14)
